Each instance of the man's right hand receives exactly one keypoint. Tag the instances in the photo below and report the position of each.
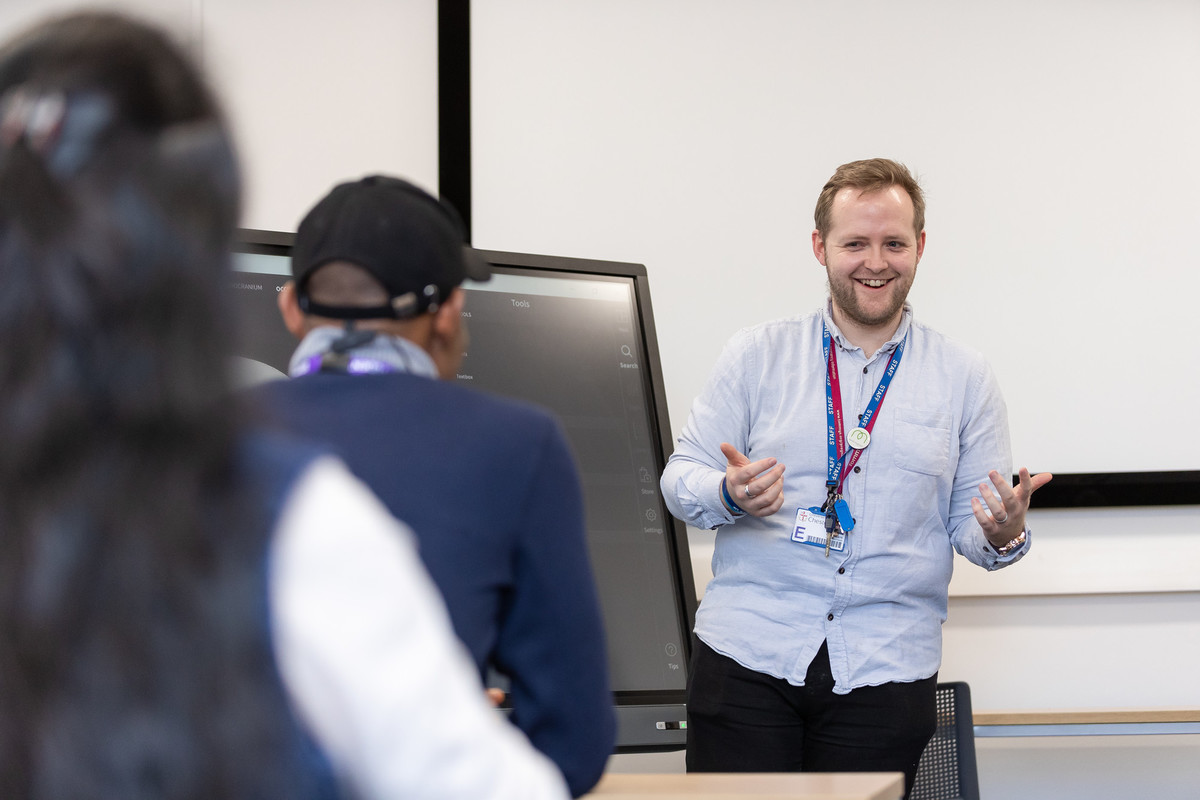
(756, 486)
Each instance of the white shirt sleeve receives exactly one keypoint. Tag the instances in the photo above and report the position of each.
(367, 653)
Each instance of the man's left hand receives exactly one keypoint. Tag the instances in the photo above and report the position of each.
(1004, 518)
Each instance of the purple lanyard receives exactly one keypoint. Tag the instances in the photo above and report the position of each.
(353, 365)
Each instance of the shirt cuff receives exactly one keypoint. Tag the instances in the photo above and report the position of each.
(706, 508)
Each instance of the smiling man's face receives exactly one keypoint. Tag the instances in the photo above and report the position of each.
(870, 255)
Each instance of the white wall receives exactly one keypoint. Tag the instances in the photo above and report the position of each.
(179, 15)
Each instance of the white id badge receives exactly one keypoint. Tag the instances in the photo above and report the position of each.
(810, 529)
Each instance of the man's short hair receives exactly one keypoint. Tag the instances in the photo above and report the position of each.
(869, 175)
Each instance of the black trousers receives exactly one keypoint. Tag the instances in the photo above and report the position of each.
(740, 720)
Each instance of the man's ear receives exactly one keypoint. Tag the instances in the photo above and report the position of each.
(448, 318)
(818, 244)
(289, 308)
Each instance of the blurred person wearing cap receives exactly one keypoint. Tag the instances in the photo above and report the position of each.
(488, 484)
(842, 456)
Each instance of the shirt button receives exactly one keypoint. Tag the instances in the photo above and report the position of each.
(864, 370)
(841, 570)
(830, 618)
(858, 469)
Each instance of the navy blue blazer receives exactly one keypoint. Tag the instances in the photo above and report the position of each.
(492, 491)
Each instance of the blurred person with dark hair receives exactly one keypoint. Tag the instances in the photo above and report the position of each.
(186, 607)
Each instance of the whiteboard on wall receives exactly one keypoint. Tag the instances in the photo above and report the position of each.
(322, 93)
(1055, 140)
(315, 94)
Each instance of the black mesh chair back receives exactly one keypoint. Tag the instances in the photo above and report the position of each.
(947, 768)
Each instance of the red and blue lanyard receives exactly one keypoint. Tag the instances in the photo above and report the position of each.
(842, 462)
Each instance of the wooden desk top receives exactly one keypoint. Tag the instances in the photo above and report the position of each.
(752, 786)
(1092, 716)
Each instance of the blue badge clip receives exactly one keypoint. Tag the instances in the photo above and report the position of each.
(842, 509)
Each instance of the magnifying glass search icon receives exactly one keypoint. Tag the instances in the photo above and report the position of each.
(625, 351)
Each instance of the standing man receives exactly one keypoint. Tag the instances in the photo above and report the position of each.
(843, 456)
(488, 484)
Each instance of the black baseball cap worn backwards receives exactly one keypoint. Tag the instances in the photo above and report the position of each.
(411, 241)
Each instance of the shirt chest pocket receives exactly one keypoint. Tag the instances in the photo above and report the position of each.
(922, 441)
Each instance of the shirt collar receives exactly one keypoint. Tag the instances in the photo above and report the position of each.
(844, 343)
(395, 351)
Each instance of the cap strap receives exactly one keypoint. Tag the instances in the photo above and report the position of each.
(404, 306)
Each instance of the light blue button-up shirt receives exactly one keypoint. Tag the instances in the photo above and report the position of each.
(880, 602)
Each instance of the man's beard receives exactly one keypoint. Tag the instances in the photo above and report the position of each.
(845, 299)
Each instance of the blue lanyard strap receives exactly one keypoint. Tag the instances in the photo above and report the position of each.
(839, 464)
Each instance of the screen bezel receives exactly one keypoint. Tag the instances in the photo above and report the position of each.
(684, 580)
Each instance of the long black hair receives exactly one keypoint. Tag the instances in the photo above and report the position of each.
(133, 661)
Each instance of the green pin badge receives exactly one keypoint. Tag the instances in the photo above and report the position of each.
(858, 438)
